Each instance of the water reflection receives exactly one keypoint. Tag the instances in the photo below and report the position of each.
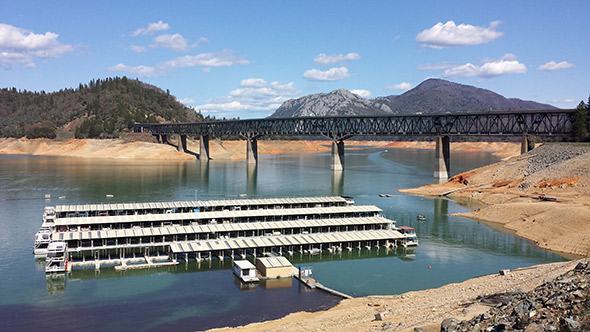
(337, 183)
(204, 174)
(251, 179)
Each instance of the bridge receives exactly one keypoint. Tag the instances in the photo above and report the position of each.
(441, 126)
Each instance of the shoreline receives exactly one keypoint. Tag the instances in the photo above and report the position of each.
(416, 309)
(143, 147)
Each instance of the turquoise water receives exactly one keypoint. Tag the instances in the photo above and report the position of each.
(193, 297)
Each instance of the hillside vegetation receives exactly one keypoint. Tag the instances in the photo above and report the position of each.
(100, 109)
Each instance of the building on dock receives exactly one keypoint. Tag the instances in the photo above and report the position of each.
(274, 267)
(107, 234)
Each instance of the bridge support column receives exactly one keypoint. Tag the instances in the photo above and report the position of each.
(337, 155)
(442, 157)
(163, 139)
(526, 145)
(251, 150)
(181, 147)
(204, 148)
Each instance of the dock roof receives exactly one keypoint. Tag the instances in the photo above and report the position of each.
(297, 239)
(196, 204)
(260, 213)
(216, 228)
(270, 262)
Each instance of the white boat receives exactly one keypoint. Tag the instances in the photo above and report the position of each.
(410, 234)
(42, 241)
(56, 259)
(245, 271)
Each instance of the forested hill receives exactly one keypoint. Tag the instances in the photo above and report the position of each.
(100, 109)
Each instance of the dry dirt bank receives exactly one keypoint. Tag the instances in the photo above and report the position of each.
(424, 309)
(144, 147)
(543, 195)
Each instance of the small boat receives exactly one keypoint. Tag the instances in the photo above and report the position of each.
(410, 234)
(245, 271)
(109, 196)
(421, 217)
(385, 195)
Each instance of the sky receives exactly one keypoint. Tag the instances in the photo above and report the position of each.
(244, 58)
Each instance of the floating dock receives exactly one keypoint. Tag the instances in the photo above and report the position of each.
(135, 235)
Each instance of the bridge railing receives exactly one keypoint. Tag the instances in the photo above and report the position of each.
(540, 123)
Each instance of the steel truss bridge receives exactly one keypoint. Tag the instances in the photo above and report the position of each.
(538, 123)
(441, 126)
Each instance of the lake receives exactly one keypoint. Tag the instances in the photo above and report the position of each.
(195, 296)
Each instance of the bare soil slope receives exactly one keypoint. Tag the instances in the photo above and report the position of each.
(543, 195)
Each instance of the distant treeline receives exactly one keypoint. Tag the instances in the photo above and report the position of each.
(100, 109)
(581, 122)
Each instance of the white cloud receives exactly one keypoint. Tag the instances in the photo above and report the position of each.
(224, 58)
(151, 29)
(19, 46)
(138, 49)
(253, 83)
(362, 93)
(332, 74)
(255, 95)
(174, 42)
(137, 70)
(335, 58)
(493, 67)
(451, 35)
(403, 86)
(437, 66)
(187, 101)
(553, 66)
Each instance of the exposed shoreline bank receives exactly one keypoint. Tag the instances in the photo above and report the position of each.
(145, 148)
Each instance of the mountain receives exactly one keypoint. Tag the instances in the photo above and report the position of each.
(337, 102)
(431, 96)
(100, 109)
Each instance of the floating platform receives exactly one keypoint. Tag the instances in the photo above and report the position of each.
(129, 234)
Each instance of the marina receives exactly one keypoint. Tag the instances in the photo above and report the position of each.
(144, 235)
(158, 298)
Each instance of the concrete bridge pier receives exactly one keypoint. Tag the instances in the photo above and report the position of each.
(337, 155)
(251, 150)
(162, 138)
(442, 157)
(181, 147)
(204, 148)
(526, 145)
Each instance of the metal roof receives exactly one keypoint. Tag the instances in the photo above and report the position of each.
(303, 212)
(247, 243)
(243, 265)
(270, 262)
(195, 204)
(217, 228)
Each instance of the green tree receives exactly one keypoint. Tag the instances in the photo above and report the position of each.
(580, 122)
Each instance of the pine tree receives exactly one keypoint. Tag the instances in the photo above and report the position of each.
(580, 122)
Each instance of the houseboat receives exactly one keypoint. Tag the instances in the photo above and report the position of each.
(410, 234)
(56, 259)
(245, 271)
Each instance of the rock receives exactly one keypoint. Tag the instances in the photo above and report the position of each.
(569, 324)
(581, 266)
(449, 325)
(380, 315)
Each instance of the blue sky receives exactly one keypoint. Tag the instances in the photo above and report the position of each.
(244, 58)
